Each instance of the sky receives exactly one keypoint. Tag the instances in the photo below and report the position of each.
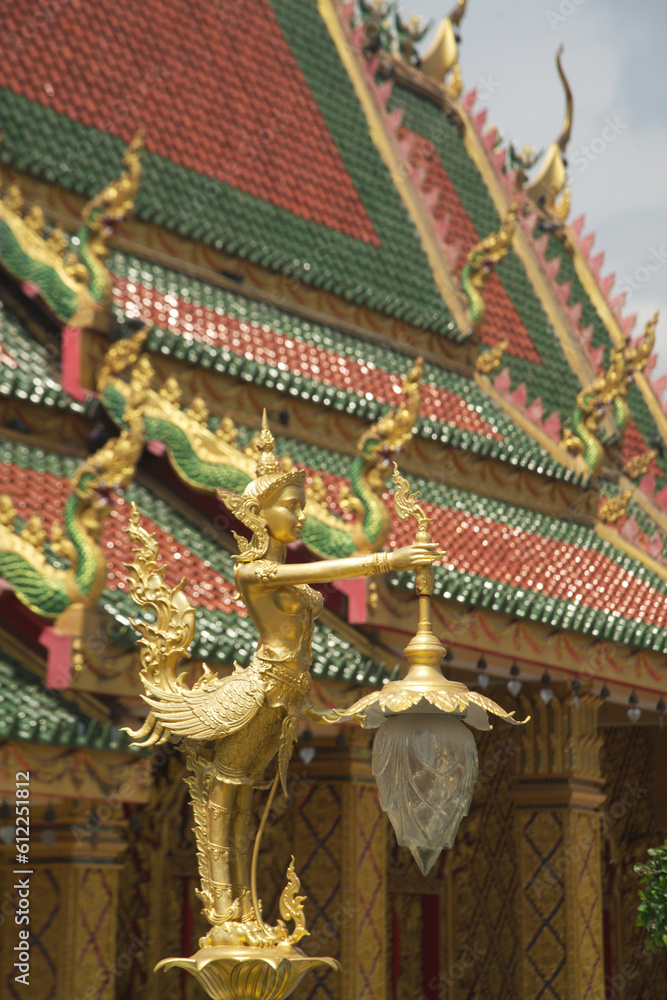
(614, 60)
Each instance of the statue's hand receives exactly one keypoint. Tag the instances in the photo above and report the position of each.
(332, 716)
(411, 556)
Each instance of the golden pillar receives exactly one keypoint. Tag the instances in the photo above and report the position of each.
(69, 891)
(558, 794)
(341, 856)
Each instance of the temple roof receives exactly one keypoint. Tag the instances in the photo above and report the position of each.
(535, 373)
(283, 172)
(38, 481)
(225, 331)
(274, 150)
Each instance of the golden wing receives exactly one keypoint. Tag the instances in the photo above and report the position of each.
(213, 708)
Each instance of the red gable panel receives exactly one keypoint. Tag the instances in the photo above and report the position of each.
(144, 65)
(502, 320)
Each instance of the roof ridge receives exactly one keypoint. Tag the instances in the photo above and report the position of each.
(373, 100)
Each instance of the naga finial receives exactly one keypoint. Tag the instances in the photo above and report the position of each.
(638, 354)
(108, 207)
(121, 356)
(480, 260)
(489, 361)
(625, 361)
(552, 177)
(396, 427)
(116, 200)
(610, 388)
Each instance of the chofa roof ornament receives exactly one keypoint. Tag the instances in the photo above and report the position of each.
(552, 176)
(442, 58)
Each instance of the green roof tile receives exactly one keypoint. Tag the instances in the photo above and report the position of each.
(552, 380)
(516, 446)
(36, 376)
(30, 711)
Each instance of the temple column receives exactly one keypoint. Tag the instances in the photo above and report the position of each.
(341, 859)
(557, 794)
(71, 890)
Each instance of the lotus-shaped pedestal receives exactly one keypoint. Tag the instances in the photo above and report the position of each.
(248, 973)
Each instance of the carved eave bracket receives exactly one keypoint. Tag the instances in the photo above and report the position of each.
(484, 256)
(50, 573)
(43, 261)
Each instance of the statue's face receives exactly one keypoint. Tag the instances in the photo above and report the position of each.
(285, 516)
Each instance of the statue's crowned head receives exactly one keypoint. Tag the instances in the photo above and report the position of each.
(260, 493)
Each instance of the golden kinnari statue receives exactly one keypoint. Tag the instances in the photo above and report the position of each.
(235, 726)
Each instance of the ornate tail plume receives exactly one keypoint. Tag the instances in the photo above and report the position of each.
(164, 645)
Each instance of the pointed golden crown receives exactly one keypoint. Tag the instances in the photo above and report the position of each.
(267, 463)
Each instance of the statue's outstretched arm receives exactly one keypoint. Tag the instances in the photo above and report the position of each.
(329, 570)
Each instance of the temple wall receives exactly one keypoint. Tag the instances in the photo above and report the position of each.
(539, 888)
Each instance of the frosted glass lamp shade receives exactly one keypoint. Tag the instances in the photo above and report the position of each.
(425, 766)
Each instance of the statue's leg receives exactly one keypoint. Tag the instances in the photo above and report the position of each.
(221, 811)
(240, 847)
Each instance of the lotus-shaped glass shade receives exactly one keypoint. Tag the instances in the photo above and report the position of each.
(425, 766)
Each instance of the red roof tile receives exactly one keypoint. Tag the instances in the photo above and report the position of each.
(45, 494)
(525, 559)
(269, 347)
(480, 546)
